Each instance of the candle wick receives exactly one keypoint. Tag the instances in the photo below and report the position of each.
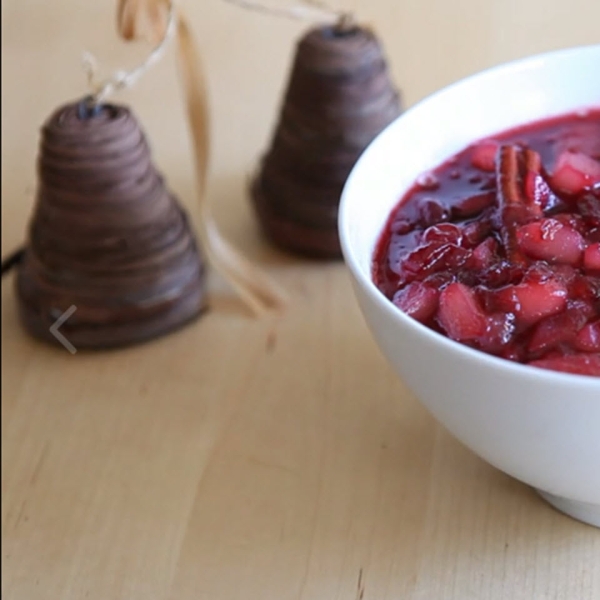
(88, 108)
(346, 23)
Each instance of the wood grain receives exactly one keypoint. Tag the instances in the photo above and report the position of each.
(242, 459)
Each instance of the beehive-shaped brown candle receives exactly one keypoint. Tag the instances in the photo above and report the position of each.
(339, 98)
(106, 236)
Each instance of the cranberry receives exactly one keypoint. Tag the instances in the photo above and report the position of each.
(575, 172)
(431, 212)
(418, 300)
(485, 255)
(460, 314)
(530, 302)
(473, 205)
(445, 233)
(588, 339)
(578, 364)
(552, 241)
(559, 329)
(500, 331)
(476, 231)
(484, 155)
(539, 193)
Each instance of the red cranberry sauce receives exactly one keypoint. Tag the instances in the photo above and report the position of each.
(499, 247)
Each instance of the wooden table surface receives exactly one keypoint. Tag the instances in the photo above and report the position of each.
(243, 459)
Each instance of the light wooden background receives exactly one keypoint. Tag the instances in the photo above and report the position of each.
(245, 460)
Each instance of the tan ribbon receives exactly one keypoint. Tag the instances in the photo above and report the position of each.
(99, 91)
(150, 20)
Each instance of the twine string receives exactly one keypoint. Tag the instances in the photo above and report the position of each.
(253, 286)
(121, 79)
(305, 10)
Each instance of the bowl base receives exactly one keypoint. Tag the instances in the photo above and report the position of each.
(582, 511)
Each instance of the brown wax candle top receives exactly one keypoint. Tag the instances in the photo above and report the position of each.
(106, 236)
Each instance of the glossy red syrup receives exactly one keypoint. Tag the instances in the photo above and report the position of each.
(499, 247)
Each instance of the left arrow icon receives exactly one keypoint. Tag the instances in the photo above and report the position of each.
(54, 330)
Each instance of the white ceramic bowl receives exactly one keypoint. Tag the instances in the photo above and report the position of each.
(541, 427)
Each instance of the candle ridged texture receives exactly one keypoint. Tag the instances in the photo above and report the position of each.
(106, 236)
(339, 97)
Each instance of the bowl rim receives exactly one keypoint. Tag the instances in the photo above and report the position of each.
(383, 303)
